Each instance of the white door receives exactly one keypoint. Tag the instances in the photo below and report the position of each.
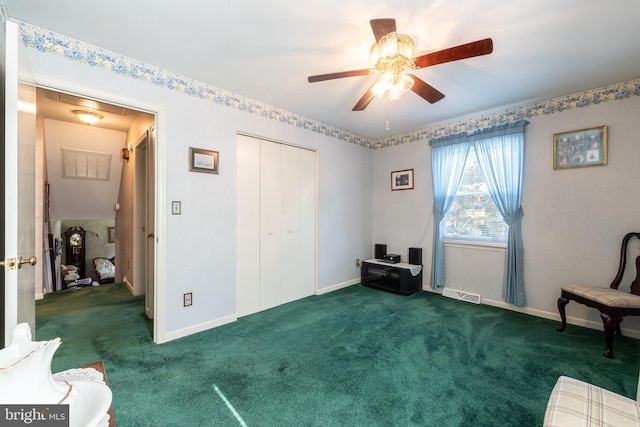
(247, 225)
(271, 230)
(151, 224)
(275, 224)
(290, 251)
(19, 195)
(298, 216)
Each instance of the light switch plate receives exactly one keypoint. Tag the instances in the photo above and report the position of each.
(176, 209)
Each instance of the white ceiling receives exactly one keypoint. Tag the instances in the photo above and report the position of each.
(265, 50)
(60, 106)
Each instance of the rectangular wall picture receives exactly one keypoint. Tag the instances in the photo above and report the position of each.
(580, 148)
(402, 180)
(201, 160)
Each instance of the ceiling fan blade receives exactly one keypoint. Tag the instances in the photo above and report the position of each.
(425, 90)
(338, 75)
(364, 101)
(468, 50)
(382, 27)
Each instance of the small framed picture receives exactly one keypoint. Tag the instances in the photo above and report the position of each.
(402, 180)
(111, 234)
(203, 160)
(580, 148)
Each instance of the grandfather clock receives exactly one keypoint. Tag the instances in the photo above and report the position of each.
(74, 242)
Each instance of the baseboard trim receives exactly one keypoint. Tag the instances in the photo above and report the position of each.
(337, 286)
(576, 321)
(129, 285)
(201, 327)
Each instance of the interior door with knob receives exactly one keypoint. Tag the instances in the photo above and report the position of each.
(150, 204)
(19, 197)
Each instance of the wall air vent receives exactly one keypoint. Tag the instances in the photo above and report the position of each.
(78, 164)
(461, 295)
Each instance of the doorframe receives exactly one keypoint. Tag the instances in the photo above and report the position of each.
(160, 113)
(143, 244)
(3, 93)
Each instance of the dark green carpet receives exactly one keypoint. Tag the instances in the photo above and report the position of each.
(354, 357)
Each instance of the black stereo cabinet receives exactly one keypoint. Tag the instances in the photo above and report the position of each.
(395, 278)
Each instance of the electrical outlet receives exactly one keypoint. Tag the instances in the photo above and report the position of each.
(188, 299)
(357, 262)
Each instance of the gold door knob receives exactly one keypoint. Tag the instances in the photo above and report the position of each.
(31, 261)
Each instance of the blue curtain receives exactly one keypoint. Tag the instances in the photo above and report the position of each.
(500, 154)
(448, 156)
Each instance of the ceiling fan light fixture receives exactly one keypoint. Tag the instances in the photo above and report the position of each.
(379, 88)
(395, 92)
(405, 82)
(392, 55)
(405, 46)
(88, 117)
(393, 51)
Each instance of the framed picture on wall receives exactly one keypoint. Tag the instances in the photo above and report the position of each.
(402, 180)
(201, 160)
(580, 148)
(111, 234)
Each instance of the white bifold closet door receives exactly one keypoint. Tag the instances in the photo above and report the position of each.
(276, 222)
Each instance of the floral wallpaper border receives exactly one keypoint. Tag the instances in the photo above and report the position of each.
(49, 42)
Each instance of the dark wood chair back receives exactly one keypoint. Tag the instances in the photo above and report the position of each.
(635, 285)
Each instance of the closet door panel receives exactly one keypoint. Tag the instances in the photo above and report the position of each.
(307, 238)
(270, 223)
(290, 262)
(247, 226)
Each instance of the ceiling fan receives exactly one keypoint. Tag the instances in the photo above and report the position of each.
(392, 57)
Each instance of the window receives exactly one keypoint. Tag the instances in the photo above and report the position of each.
(79, 164)
(473, 215)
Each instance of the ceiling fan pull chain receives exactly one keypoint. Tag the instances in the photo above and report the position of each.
(387, 116)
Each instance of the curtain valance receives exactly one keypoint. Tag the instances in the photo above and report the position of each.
(493, 131)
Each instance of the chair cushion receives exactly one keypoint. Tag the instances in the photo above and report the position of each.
(576, 403)
(606, 296)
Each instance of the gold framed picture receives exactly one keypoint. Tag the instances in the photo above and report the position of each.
(580, 148)
(201, 160)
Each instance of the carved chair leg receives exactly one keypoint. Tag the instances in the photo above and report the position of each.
(618, 331)
(611, 324)
(562, 303)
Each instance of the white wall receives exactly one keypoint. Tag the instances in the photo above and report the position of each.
(197, 248)
(574, 220)
(78, 198)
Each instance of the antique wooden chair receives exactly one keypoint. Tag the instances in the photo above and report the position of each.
(612, 303)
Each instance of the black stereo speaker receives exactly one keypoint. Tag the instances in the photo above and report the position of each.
(415, 256)
(380, 251)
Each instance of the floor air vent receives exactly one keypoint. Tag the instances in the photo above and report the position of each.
(461, 295)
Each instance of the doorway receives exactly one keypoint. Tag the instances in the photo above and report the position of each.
(132, 174)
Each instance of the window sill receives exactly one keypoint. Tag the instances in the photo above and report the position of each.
(476, 244)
